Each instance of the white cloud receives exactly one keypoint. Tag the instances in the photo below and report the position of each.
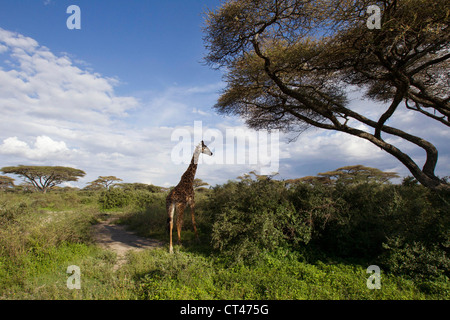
(200, 112)
(17, 41)
(47, 86)
(56, 113)
(44, 148)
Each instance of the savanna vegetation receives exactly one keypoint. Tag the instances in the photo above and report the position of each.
(260, 238)
(288, 65)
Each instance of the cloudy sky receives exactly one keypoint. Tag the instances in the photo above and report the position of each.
(128, 95)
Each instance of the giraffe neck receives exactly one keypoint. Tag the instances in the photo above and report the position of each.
(189, 175)
(196, 155)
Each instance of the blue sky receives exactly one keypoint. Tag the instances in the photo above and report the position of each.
(146, 44)
(111, 98)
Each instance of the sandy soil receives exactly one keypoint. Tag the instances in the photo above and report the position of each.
(116, 238)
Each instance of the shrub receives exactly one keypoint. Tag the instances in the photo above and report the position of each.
(119, 198)
(9, 212)
(355, 224)
(320, 209)
(344, 220)
(415, 260)
(252, 217)
(115, 198)
(355, 220)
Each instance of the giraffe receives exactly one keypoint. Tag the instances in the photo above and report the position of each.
(183, 194)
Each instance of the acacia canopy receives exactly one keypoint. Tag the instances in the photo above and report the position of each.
(359, 174)
(45, 177)
(290, 63)
(103, 182)
(6, 182)
(349, 175)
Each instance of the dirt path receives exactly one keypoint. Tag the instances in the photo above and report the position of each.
(114, 237)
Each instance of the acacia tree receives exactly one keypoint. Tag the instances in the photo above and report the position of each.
(355, 174)
(103, 182)
(359, 174)
(45, 177)
(199, 184)
(6, 182)
(289, 64)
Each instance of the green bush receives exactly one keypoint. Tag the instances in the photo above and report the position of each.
(121, 197)
(260, 240)
(11, 211)
(253, 217)
(353, 221)
(115, 198)
(191, 276)
(415, 260)
(320, 209)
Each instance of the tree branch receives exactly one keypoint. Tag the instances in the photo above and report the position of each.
(428, 114)
(428, 64)
(390, 111)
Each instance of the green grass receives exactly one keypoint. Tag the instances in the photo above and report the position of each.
(41, 235)
(189, 276)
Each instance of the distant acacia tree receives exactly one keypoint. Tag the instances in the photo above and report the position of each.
(313, 180)
(289, 64)
(359, 174)
(102, 182)
(248, 177)
(199, 184)
(6, 182)
(45, 177)
(347, 175)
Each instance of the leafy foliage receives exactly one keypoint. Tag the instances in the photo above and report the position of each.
(250, 218)
(136, 194)
(351, 220)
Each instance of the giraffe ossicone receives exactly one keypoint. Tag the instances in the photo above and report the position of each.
(183, 194)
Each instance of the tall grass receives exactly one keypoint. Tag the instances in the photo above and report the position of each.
(40, 236)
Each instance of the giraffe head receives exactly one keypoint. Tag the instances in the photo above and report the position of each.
(206, 150)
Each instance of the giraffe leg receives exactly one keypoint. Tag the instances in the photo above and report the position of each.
(192, 205)
(180, 213)
(170, 212)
